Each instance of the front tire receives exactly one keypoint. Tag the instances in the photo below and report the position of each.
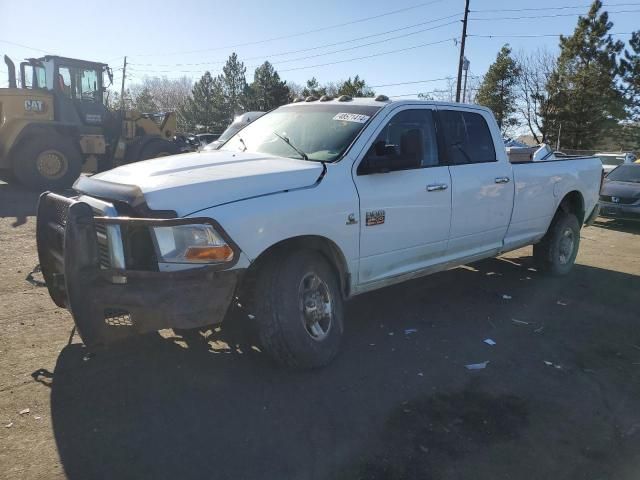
(299, 310)
(556, 253)
(47, 162)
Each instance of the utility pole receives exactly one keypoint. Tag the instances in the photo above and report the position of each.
(462, 42)
(124, 74)
(465, 67)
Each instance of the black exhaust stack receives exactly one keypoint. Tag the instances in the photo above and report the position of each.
(12, 72)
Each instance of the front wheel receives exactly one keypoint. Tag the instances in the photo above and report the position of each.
(47, 162)
(556, 253)
(299, 310)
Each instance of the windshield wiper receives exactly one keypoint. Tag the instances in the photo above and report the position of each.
(288, 142)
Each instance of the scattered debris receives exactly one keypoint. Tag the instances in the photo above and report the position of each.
(489, 341)
(424, 449)
(506, 297)
(420, 374)
(409, 331)
(251, 317)
(372, 344)
(24, 411)
(520, 322)
(539, 329)
(560, 302)
(88, 357)
(37, 417)
(9, 425)
(391, 334)
(477, 366)
(551, 364)
(36, 282)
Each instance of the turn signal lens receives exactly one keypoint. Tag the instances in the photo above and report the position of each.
(223, 253)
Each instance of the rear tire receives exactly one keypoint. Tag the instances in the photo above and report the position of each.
(299, 310)
(47, 162)
(158, 148)
(556, 253)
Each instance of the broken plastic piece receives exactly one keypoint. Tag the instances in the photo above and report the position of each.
(477, 366)
(520, 322)
(506, 297)
(24, 411)
(409, 331)
(489, 341)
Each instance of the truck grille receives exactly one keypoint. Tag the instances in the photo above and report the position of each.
(103, 242)
(621, 200)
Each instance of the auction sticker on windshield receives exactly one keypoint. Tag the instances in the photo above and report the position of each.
(352, 117)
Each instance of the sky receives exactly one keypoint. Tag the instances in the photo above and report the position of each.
(403, 41)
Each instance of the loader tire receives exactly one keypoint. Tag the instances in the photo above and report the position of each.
(556, 252)
(47, 162)
(299, 310)
(158, 148)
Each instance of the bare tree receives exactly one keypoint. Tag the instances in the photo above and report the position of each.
(536, 69)
(168, 94)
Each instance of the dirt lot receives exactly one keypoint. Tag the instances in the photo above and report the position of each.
(393, 405)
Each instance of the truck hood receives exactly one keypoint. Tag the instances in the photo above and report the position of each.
(194, 181)
(615, 188)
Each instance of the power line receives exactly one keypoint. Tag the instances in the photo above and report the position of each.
(280, 62)
(537, 35)
(371, 56)
(299, 34)
(528, 17)
(537, 9)
(259, 57)
(24, 46)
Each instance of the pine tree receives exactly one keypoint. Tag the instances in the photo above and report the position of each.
(234, 87)
(497, 90)
(205, 108)
(355, 88)
(267, 90)
(630, 69)
(313, 88)
(584, 98)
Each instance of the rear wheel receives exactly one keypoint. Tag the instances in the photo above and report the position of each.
(299, 311)
(158, 148)
(556, 253)
(47, 162)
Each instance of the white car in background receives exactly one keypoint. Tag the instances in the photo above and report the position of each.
(612, 160)
(238, 124)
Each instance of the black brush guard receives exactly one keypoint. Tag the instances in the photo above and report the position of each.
(143, 301)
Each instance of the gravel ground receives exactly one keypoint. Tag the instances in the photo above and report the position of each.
(558, 399)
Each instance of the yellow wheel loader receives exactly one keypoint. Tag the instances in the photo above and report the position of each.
(57, 122)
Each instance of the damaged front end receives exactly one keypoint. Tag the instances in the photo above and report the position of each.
(117, 276)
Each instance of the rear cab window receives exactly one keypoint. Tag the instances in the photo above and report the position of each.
(467, 137)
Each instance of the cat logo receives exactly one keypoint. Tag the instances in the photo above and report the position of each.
(36, 106)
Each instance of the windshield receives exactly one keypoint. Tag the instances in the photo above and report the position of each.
(322, 132)
(625, 173)
(611, 160)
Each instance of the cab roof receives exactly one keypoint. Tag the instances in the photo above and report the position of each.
(69, 61)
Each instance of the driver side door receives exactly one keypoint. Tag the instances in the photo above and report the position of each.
(405, 197)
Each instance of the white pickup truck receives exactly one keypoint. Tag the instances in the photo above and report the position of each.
(311, 204)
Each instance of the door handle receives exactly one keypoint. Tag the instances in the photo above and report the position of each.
(437, 187)
(502, 179)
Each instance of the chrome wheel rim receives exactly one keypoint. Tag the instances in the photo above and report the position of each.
(51, 164)
(316, 306)
(567, 244)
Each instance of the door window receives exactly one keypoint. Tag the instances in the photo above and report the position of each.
(87, 84)
(408, 141)
(64, 81)
(467, 137)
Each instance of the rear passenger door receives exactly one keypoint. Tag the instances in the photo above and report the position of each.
(405, 209)
(482, 187)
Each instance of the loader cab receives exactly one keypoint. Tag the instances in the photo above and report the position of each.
(77, 87)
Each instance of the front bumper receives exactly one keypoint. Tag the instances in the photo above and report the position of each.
(621, 212)
(108, 304)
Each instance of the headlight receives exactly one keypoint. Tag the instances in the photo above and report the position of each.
(198, 243)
